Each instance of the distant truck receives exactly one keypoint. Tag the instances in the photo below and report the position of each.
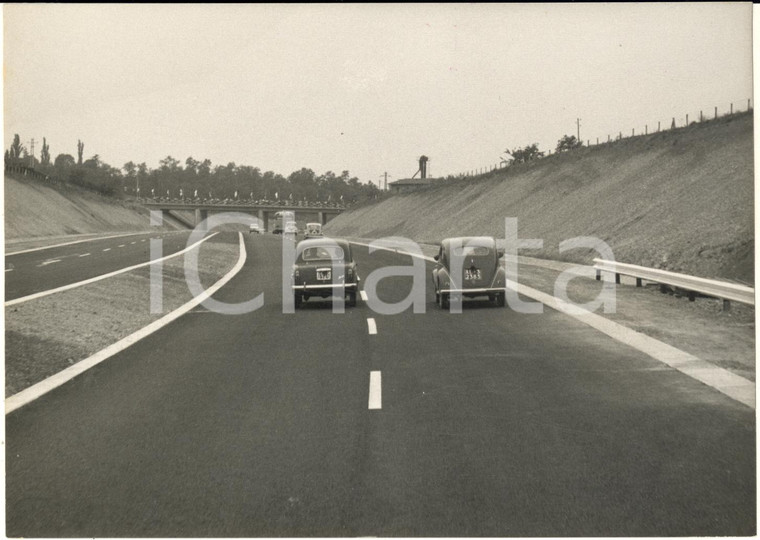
(281, 219)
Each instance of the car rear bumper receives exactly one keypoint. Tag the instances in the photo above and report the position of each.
(324, 287)
(486, 290)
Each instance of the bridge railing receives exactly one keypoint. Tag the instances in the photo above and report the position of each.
(691, 284)
(242, 202)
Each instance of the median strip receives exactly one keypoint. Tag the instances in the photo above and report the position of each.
(104, 276)
(43, 387)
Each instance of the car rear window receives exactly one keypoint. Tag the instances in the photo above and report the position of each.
(470, 251)
(318, 253)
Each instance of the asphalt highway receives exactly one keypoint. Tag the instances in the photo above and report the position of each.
(39, 270)
(492, 423)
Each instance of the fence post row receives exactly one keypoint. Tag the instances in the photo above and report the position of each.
(673, 125)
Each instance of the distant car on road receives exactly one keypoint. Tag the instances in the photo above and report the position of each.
(313, 230)
(469, 267)
(254, 228)
(324, 267)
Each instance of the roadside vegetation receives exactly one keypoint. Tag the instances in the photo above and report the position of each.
(191, 178)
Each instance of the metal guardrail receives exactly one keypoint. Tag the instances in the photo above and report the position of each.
(708, 287)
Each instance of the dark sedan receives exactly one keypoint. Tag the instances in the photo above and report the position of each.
(324, 267)
(469, 267)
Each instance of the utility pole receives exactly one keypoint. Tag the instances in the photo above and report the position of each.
(578, 123)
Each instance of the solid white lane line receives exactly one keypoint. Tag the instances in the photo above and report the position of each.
(375, 390)
(85, 255)
(107, 249)
(363, 295)
(45, 263)
(104, 276)
(371, 326)
(43, 387)
(730, 384)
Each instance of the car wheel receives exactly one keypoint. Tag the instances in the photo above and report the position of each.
(297, 300)
(352, 299)
(501, 299)
(444, 301)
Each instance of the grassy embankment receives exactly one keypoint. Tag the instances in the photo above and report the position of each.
(36, 210)
(680, 200)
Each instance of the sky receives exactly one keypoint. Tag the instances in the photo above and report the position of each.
(363, 88)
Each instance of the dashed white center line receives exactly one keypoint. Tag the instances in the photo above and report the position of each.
(9, 269)
(51, 261)
(132, 243)
(107, 249)
(375, 390)
(371, 326)
(85, 255)
(121, 245)
(363, 294)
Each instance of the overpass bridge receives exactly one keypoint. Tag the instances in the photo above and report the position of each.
(321, 212)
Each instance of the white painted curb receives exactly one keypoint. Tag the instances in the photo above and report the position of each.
(43, 387)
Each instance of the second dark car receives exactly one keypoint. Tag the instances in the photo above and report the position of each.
(469, 267)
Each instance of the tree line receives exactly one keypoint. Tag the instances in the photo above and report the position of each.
(191, 179)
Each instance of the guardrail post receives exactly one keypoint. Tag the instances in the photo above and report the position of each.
(638, 282)
(726, 305)
(692, 296)
(598, 275)
(617, 278)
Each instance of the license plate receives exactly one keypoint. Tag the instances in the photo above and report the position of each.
(471, 274)
(324, 275)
